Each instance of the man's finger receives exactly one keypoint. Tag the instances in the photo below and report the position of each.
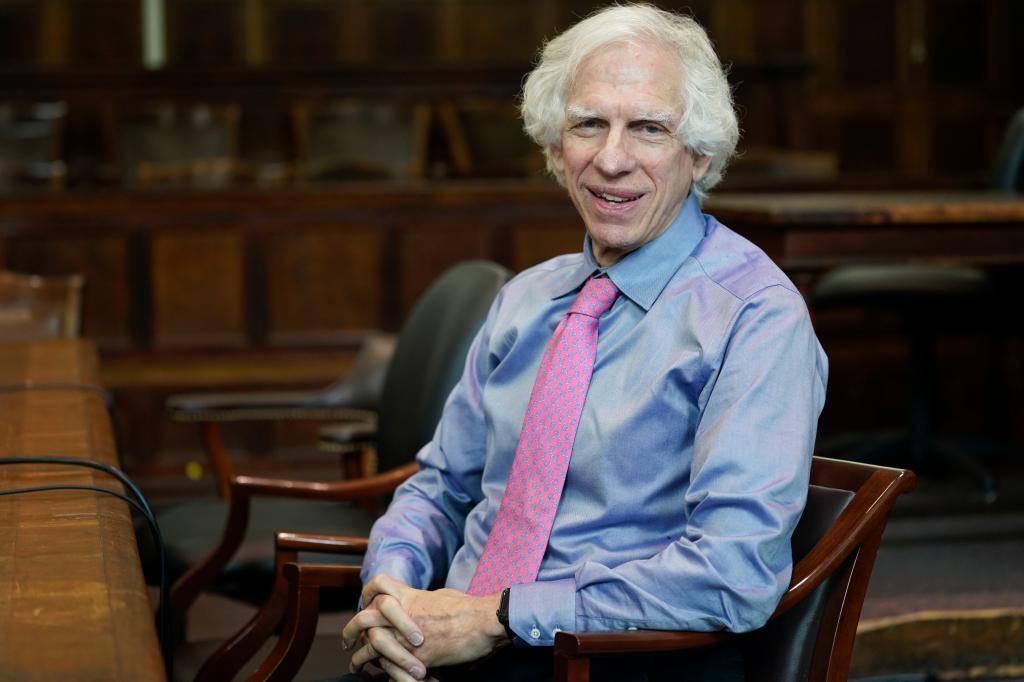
(396, 615)
(388, 647)
(363, 655)
(360, 623)
(395, 673)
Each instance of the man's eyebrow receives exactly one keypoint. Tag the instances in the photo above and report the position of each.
(666, 118)
(574, 112)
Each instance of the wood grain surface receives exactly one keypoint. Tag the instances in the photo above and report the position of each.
(73, 602)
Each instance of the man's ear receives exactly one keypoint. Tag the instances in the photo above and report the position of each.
(557, 160)
(701, 163)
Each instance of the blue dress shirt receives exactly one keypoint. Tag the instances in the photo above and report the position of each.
(691, 460)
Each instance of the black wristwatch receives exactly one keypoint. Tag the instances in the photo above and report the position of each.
(502, 614)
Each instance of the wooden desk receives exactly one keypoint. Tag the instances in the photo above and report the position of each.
(73, 602)
(816, 230)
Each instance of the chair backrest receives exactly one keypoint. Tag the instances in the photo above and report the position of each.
(38, 307)
(1008, 174)
(360, 139)
(486, 139)
(431, 355)
(835, 543)
(31, 144)
(175, 144)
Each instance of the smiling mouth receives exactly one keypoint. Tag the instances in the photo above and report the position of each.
(615, 198)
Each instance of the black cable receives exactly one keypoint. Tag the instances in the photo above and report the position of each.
(44, 488)
(141, 505)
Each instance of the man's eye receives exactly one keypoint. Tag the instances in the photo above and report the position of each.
(651, 129)
(588, 123)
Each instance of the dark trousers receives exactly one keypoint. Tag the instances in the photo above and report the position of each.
(722, 663)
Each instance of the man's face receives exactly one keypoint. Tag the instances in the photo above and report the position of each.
(625, 170)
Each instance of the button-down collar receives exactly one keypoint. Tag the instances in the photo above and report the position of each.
(642, 274)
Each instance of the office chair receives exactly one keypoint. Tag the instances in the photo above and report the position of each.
(926, 297)
(40, 307)
(485, 139)
(360, 139)
(32, 144)
(809, 637)
(174, 144)
(427, 362)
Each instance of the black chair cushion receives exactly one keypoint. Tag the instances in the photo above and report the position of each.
(782, 649)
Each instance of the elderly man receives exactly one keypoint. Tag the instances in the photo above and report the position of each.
(630, 443)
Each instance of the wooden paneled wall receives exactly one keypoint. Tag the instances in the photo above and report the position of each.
(279, 269)
(890, 88)
(245, 290)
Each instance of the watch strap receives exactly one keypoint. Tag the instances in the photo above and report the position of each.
(502, 614)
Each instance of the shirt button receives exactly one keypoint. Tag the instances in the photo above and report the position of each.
(535, 633)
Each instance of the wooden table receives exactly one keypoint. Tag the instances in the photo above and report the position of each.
(818, 230)
(73, 602)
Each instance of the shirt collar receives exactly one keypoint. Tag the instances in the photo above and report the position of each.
(643, 274)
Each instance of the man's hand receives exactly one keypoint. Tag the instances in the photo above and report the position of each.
(410, 629)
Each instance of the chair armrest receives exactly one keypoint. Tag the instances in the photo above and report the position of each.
(303, 583)
(326, 544)
(232, 655)
(322, 575)
(352, 398)
(243, 489)
(358, 489)
(633, 642)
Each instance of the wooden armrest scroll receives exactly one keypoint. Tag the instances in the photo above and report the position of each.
(304, 582)
(243, 488)
(233, 654)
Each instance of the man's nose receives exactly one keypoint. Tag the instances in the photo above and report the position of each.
(615, 157)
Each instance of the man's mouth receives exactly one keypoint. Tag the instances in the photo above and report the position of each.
(615, 198)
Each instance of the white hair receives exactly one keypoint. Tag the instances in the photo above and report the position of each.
(708, 126)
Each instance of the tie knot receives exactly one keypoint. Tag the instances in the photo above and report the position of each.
(596, 298)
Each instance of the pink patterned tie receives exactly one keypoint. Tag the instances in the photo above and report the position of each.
(517, 541)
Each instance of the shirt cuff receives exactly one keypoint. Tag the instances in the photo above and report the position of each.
(538, 610)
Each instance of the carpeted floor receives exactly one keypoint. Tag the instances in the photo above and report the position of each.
(946, 599)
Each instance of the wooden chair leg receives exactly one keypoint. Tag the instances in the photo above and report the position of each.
(303, 613)
(571, 669)
(229, 659)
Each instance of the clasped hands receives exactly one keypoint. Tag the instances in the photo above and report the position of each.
(405, 631)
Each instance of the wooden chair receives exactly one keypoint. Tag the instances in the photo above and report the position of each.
(360, 139)
(427, 362)
(38, 307)
(31, 144)
(171, 144)
(486, 139)
(808, 638)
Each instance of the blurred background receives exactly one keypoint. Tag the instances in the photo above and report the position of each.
(250, 187)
